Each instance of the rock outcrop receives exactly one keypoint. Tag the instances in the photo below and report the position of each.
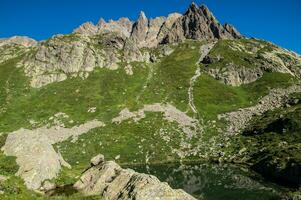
(87, 28)
(140, 29)
(111, 182)
(35, 154)
(232, 30)
(196, 23)
(238, 62)
(199, 23)
(19, 40)
(71, 55)
(121, 27)
(106, 44)
(236, 76)
(15, 46)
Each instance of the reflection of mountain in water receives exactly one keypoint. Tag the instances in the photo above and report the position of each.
(213, 182)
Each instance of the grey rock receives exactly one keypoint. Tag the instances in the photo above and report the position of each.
(19, 40)
(74, 55)
(153, 31)
(232, 30)
(233, 75)
(167, 25)
(140, 29)
(48, 186)
(35, 154)
(122, 27)
(112, 182)
(87, 28)
(97, 160)
(3, 178)
(197, 23)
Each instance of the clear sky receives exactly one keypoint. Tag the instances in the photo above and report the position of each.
(277, 21)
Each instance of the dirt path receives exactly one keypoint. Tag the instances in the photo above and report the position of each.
(204, 51)
(147, 81)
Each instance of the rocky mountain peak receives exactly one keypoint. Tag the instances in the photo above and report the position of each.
(192, 8)
(101, 22)
(140, 28)
(19, 40)
(87, 28)
(142, 17)
(198, 23)
(232, 30)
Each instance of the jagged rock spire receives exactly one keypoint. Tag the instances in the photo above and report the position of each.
(198, 23)
(140, 28)
(192, 7)
(232, 30)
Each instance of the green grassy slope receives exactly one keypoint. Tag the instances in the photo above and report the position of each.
(110, 91)
(272, 144)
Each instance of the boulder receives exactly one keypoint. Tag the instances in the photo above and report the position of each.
(111, 182)
(97, 160)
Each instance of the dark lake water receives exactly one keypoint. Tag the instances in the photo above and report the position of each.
(213, 182)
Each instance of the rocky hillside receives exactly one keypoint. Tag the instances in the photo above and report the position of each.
(181, 88)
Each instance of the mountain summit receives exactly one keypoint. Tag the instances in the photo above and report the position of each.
(196, 23)
(199, 23)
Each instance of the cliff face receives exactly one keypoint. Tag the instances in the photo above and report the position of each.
(196, 23)
(108, 44)
(199, 23)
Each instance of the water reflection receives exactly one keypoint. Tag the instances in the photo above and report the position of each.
(213, 182)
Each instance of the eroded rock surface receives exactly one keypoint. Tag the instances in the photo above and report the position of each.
(18, 40)
(107, 44)
(111, 182)
(239, 62)
(73, 55)
(35, 154)
(199, 23)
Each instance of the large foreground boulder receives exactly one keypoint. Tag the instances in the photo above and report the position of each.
(112, 182)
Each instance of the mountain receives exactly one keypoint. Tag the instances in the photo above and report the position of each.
(182, 88)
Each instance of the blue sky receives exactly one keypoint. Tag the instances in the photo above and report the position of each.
(273, 20)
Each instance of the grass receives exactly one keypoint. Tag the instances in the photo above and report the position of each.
(213, 98)
(133, 142)
(14, 188)
(107, 90)
(272, 142)
(111, 91)
(171, 76)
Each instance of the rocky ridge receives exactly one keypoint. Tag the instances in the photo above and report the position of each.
(257, 58)
(199, 23)
(15, 46)
(19, 40)
(108, 44)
